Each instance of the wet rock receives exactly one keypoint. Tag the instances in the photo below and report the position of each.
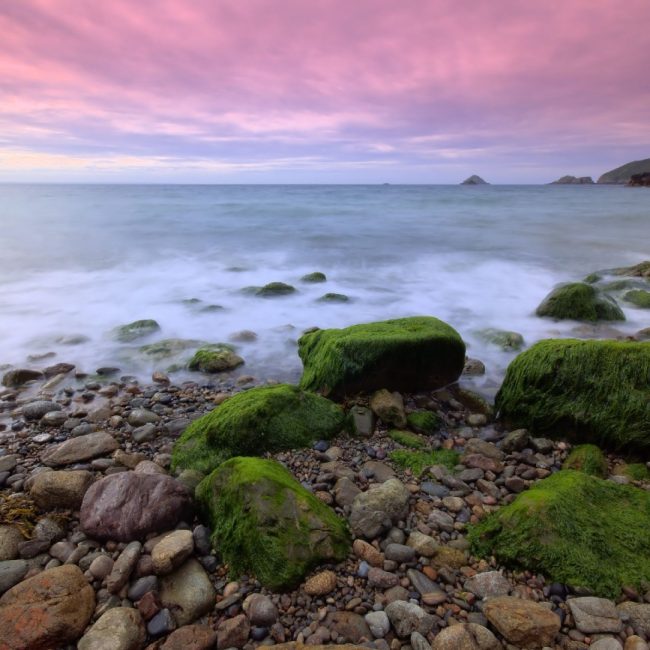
(375, 510)
(188, 592)
(140, 417)
(120, 628)
(123, 567)
(378, 623)
(64, 489)
(36, 410)
(11, 573)
(79, 449)
(19, 377)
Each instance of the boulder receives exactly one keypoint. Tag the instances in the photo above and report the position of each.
(64, 489)
(404, 355)
(19, 376)
(275, 289)
(314, 277)
(638, 297)
(570, 526)
(579, 301)
(187, 592)
(587, 391)
(215, 358)
(378, 508)
(135, 330)
(171, 551)
(75, 450)
(49, 610)
(595, 615)
(128, 506)
(36, 410)
(268, 418)
(265, 522)
(119, 628)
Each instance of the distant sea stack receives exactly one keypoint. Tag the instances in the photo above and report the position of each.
(624, 173)
(574, 180)
(474, 180)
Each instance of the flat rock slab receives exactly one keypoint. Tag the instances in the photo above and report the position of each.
(595, 615)
(120, 628)
(79, 449)
(129, 506)
(49, 610)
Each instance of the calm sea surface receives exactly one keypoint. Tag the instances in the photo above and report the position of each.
(79, 260)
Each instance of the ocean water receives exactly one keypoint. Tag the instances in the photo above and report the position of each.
(79, 260)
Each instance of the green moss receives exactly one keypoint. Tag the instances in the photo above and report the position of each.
(406, 354)
(135, 330)
(576, 529)
(265, 523)
(425, 422)
(592, 278)
(169, 347)
(275, 289)
(502, 338)
(268, 418)
(588, 391)
(334, 297)
(407, 439)
(579, 301)
(314, 277)
(588, 459)
(638, 297)
(637, 471)
(418, 461)
(215, 358)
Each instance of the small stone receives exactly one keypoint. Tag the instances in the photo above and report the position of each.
(120, 628)
(407, 618)
(170, 552)
(368, 552)
(162, 623)
(389, 408)
(639, 615)
(188, 591)
(101, 566)
(608, 643)
(79, 449)
(418, 642)
(424, 545)
(10, 540)
(374, 510)
(321, 584)
(11, 573)
(123, 567)
(465, 636)
(399, 553)
(488, 584)
(64, 489)
(378, 623)
(381, 579)
(261, 610)
(140, 417)
(233, 632)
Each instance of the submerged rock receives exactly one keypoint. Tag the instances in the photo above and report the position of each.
(502, 338)
(215, 358)
(407, 354)
(577, 529)
(588, 391)
(334, 297)
(136, 330)
(274, 289)
(574, 180)
(579, 301)
(18, 377)
(638, 297)
(264, 521)
(314, 277)
(169, 347)
(268, 418)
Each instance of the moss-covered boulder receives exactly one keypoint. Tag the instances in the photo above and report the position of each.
(406, 355)
(136, 330)
(334, 297)
(588, 391)
(588, 459)
(576, 529)
(215, 358)
(579, 301)
(169, 348)
(314, 277)
(426, 422)
(638, 297)
(268, 418)
(265, 523)
(504, 339)
(274, 289)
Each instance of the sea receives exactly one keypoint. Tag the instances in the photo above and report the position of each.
(78, 261)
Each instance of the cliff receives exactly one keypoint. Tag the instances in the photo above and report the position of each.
(624, 173)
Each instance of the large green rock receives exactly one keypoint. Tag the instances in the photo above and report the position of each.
(576, 529)
(265, 523)
(406, 355)
(588, 459)
(215, 358)
(579, 301)
(588, 391)
(136, 330)
(638, 297)
(268, 418)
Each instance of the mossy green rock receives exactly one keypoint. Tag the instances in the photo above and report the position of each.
(579, 301)
(425, 422)
(588, 391)
(638, 297)
(334, 297)
(265, 523)
(268, 418)
(576, 529)
(314, 277)
(215, 358)
(418, 461)
(169, 347)
(136, 330)
(406, 355)
(274, 289)
(588, 459)
(502, 338)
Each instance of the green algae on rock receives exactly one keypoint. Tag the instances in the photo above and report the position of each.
(579, 301)
(638, 297)
(333, 297)
(274, 289)
(425, 422)
(576, 529)
(169, 347)
(502, 338)
(265, 522)
(314, 277)
(588, 391)
(418, 461)
(406, 354)
(407, 439)
(588, 459)
(136, 330)
(215, 358)
(268, 418)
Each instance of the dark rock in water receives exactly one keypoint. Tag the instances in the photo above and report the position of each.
(169, 347)
(264, 521)
(640, 270)
(36, 410)
(474, 180)
(314, 277)
(107, 371)
(58, 369)
(136, 330)
(128, 506)
(639, 180)
(579, 301)
(18, 377)
(334, 297)
(574, 180)
(210, 309)
(590, 391)
(274, 289)
(624, 173)
(215, 358)
(406, 355)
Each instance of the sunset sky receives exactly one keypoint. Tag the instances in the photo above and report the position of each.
(321, 91)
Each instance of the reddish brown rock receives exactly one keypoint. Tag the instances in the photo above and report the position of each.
(46, 611)
(190, 637)
(128, 506)
(233, 632)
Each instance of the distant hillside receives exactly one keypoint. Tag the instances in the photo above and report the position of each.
(474, 180)
(574, 180)
(624, 173)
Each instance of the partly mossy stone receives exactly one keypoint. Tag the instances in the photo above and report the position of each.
(502, 338)
(588, 459)
(215, 358)
(267, 418)
(634, 471)
(406, 355)
(274, 289)
(577, 529)
(314, 277)
(640, 270)
(425, 422)
(265, 523)
(136, 330)
(579, 301)
(169, 347)
(407, 439)
(588, 391)
(334, 297)
(592, 278)
(418, 461)
(638, 297)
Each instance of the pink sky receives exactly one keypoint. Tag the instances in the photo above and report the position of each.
(322, 90)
